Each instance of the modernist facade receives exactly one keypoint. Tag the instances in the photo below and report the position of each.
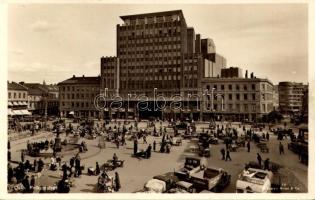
(158, 54)
(76, 96)
(291, 97)
(158, 50)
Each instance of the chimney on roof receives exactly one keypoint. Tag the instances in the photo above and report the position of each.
(21, 83)
(252, 75)
(73, 76)
(83, 75)
(246, 74)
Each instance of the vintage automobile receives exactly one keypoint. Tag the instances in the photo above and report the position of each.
(191, 164)
(161, 183)
(210, 178)
(254, 180)
(183, 187)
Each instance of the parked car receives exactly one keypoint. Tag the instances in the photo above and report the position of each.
(191, 164)
(210, 178)
(254, 180)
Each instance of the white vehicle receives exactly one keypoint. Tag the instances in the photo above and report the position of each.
(155, 186)
(254, 181)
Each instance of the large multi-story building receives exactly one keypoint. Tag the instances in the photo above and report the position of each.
(158, 50)
(291, 97)
(76, 96)
(158, 54)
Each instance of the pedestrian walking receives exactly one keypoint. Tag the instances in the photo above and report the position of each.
(9, 156)
(135, 147)
(248, 146)
(149, 151)
(228, 157)
(22, 156)
(117, 182)
(97, 169)
(26, 184)
(267, 136)
(154, 145)
(259, 159)
(223, 153)
(281, 148)
(32, 183)
(266, 164)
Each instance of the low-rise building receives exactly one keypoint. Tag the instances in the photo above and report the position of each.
(76, 96)
(240, 99)
(17, 99)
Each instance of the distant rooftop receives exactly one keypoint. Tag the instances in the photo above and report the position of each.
(82, 80)
(16, 86)
(152, 14)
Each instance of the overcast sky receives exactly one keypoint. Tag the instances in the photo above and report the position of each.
(53, 42)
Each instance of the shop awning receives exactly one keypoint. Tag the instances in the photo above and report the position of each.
(15, 103)
(10, 112)
(10, 103)
(71, 113)
(25, 112)
(24, 103)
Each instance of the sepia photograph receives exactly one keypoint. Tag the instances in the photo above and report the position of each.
(157, 98)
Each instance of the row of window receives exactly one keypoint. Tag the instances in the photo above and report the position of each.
(17, 95)
(230, 87)
(78, 95)
(77, 104)
(150, 40)
(79, 88)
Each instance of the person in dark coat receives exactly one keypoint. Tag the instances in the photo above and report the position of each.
(228, 157)
(32, 184)
(266, 164)
(40, 165)
(135, 147)
(9, 156)
(97, 169)
(149, 151)
(115, 161)
(64, 170)
(267, 136)
(22, 156)
(26, 184)
(223, 153)
(72, 162)
(117, 182)
(10, 173)
(78, 167)
(154, 145)
(248, 146)
(259, 159)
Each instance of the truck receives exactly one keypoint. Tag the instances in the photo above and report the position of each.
(211, 179)
(254, 180)
(190, 166)
(161, 183)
